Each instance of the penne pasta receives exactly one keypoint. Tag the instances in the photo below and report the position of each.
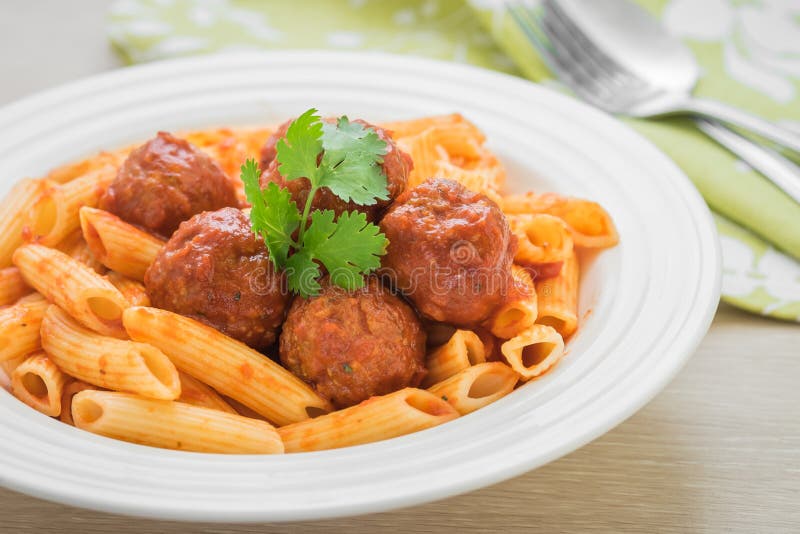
(70, 390)
(519, 309)
(108, 362)
(534, 351)
(12, 286)
(54, 215)
(406, 128)
(590, 225)
(88, 297)
(422, 149)
(19, 327)
(230, 367)
(196, 393)
(13, 211)
(71, 171)
(464, 348)
(379, 418)
(558, 299)
(541, 238)
(118, 245)
(486, 180)
(133, 291)
(172, 425)
(39, 383)
(75, 246)
(476, 386)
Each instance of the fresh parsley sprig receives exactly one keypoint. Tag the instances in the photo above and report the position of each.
(346, 158)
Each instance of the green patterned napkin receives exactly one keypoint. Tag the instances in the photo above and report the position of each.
(749, 51)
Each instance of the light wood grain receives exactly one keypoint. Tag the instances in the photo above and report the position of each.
(717, 451)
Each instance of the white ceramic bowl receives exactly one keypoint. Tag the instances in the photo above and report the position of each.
(646, 303)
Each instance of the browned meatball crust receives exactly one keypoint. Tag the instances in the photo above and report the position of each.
(354, 345)
(164, 182)
(396, 164)
(214, 269)
(270, 148)
(450, 252)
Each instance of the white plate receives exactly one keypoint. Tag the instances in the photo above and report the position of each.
(647, 302)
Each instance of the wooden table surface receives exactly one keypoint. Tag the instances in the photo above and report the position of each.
(717, 451)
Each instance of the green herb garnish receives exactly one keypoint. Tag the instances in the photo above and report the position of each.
(350, 166)
(347, 368)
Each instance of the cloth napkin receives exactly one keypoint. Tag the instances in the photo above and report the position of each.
(749, 53)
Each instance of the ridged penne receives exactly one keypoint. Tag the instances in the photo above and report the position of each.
(486, 180)
(71, 389)
(38, 382)
(133, 290)
(230, 367)
(378, 418)
(558, 299)
(54, 215)
(19, 327)
(75, 246)
(533, 351)
(590, 225)
(108, 362)
(172, 425)
(118, 245)
(196, 393)
(13, 211)
(71, 171)
(541, 238)
(519, 309)
(405, 128)
(12, 286)
(85, 295)
(476, 386)
(464, 348)
(422, 149)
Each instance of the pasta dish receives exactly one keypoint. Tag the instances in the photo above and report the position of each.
(321, 284)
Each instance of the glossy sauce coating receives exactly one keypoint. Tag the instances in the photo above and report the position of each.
(164, 182)
(353, 345)
(450, 252)
(396, 165)
(214, 269)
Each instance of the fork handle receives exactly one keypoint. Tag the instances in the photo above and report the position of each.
(779, 170)
(737, 118)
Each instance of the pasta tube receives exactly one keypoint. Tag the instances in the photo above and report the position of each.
(55, 213)
(464, 348)
(198, 394)
(118, 245)
(91, 299)
(378, 418)
(541, 238)
(19, 327)
(70, 390)
(422, 149)
(172, 425)
(108, 362)
(13, 210)
(230, 367)
(133, 291)
(519, 310)
(558, 299)
(12, 286)
(533, 351)
(405, 128)
(75, 246)
(38, 382)
(71, 171)
(590, 225)
(476, 386)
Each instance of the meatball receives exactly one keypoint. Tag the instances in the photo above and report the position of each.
(270, 148)
(396, 164)
(450, 252)
(214, 269)
(166, 181)
(352, 345)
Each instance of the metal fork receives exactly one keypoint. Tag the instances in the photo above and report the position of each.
(597, 78)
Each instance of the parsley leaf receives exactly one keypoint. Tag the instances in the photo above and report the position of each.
(352, 161)
(297, 153)
(346, 158)
(348, 247)
(273, 214)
